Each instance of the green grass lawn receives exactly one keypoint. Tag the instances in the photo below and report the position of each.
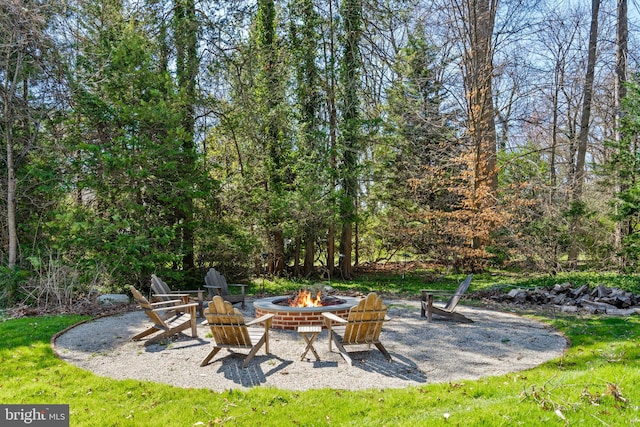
(410, 284)
(594, 384)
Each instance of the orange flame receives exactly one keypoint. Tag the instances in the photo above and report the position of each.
(304, 299)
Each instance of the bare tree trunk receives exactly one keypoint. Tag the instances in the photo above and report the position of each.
(559, 79)
(579, 177)
(277, 243)
(478, 62)
(11, 199)
(12, 51)
(622, 36)
(356, 246)
(296, 257)
(331, 249)
(346, 268)
(309, 254)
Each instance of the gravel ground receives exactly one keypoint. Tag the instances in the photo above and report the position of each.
(441, 351)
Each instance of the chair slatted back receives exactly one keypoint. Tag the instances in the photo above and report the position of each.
(462, 288)
(159, 286)
(148, 309)
(365, 320)
(214, 278)
(227, 324)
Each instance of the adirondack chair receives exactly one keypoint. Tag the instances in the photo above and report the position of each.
(448, 310)
(163, 292)
(230, 331)
(167, 327)
(217, 285)
(363, 326)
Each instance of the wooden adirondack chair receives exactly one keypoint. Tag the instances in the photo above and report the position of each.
(166, 327)
(163, 292)
(363, 326)
(447, 310)
(230, 331)
(217, 285)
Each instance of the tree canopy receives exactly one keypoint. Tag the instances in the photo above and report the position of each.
(309, 137)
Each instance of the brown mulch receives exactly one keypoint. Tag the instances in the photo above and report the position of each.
(83, 308)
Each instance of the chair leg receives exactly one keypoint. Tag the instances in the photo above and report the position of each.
(173, 331)
(383, 351)
(193, 322)
(451, 315)
(330, 335)
(253, 352)
(344, 353)
(143, 334)
(210, 356)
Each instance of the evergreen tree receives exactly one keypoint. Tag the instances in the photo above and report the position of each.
(273, 137)
(311, 155)
(351, 137)
(127, 135)
(186, 43)
(624, 167)
(418, 138)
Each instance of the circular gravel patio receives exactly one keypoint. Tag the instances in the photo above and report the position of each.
(441, 351)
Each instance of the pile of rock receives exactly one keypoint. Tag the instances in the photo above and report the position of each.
(567, 298)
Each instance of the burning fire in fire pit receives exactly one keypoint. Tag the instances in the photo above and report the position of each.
(304, 298)
(287, 317)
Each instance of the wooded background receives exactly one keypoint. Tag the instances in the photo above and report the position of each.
(309, 137)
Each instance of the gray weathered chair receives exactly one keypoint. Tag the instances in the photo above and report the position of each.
(217, 285)
(230, 331)
(448, 310)
(162, 292)
(167, 327)
(362, 326)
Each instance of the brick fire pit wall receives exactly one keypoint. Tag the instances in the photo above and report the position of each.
(292, 317)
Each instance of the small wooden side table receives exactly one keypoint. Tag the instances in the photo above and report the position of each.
(309, 333)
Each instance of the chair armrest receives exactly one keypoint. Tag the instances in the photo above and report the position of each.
(436, 291)
(190, 291)
(440, 293)
(239, 285)
(171, 295)
(160, 303)
(332, 317)
(261, 319)
(184, 294)
(173, 307)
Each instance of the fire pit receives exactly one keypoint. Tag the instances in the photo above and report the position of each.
(290, 317)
